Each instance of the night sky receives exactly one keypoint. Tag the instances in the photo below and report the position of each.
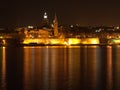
(83, 12)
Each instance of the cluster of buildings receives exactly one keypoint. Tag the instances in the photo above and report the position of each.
(52, 34)
(44, 30)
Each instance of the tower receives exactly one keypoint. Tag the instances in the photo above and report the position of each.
(55, 27)
(45, 17)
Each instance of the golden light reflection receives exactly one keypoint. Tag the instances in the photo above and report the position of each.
(65, 60)
(93, 47)
(4, 67)
(109, 67)
(46, 69)
(74, 66)
(53, 68)
(27, 68)
(35, 59)
(92, 66)
(116, 65)
(73, 46)
(55, 47)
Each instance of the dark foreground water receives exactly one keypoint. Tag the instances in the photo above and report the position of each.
(60, 68)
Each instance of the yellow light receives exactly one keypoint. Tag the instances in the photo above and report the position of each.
(68, 41)
(74, 41)
(1, 36)
(56, 41)
(94, 41)
(4, 42)
(90, 41)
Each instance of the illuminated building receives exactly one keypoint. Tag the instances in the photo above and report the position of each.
(114, 41)
(45, 19)
(55, 26)
(49, 35)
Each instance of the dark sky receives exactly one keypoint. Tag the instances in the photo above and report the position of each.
(83, 12)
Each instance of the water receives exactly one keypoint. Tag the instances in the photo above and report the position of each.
(60, 68)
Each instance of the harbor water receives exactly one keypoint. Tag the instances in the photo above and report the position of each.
(60, 68)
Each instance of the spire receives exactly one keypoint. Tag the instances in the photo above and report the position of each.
(55, 18)
(45, 19)
(45, 15)
(55, 26)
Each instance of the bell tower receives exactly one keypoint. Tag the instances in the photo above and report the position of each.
(55, 27)
(45, 18)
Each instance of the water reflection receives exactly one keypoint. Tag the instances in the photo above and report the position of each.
(14, 68)
(109, 68)
(3, 68)
(116, 67)
(73, 67)
(60, 68)
(48, 68)
(89, 67)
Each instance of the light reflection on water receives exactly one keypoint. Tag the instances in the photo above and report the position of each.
(60, 68)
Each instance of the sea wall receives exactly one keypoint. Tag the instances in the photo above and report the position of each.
(68, 41)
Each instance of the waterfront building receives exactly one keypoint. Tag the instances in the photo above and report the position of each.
(45, 22)
(55, 26)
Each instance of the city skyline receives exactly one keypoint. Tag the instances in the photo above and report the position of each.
(15, 13)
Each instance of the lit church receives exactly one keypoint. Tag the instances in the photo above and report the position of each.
(44, 30)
